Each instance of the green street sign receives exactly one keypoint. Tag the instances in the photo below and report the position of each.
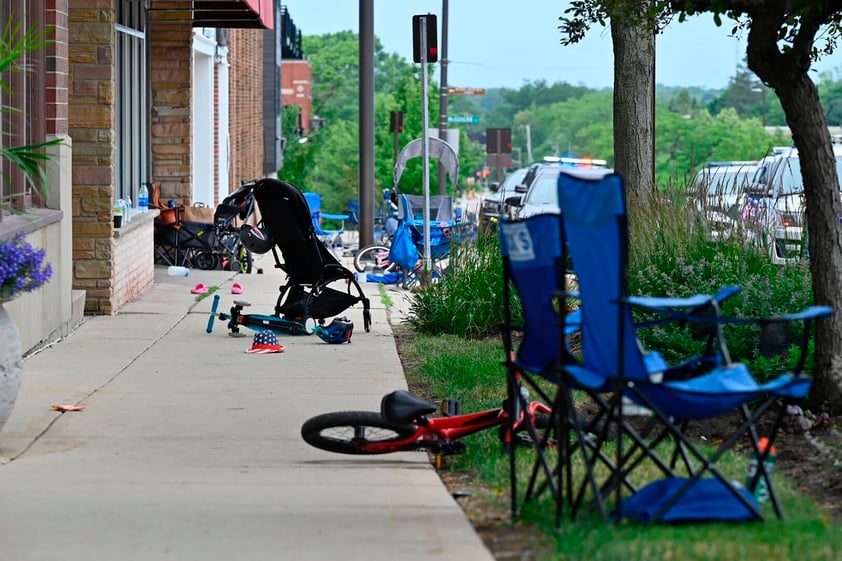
(468, 119)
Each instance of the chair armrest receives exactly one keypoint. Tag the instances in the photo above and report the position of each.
(811, 312)
(335, 216)
(808, 313)
(573, 322)
(664, 304)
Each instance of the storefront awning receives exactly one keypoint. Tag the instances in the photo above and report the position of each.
(233, 13)
(257, 14)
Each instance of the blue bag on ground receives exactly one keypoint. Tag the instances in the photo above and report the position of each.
(708, 500)
(388, 278)
(403, 250)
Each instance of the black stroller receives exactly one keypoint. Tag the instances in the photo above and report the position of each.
(314, 275)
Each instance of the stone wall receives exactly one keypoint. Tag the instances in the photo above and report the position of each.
(91, 125)
(171, 76)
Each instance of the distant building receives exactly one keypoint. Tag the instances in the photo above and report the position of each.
(296, 76)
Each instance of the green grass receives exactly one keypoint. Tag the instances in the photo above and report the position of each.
(471, 371)
(384, 296)
(211, 290)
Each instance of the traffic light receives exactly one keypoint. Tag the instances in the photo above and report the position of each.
(396, 121)
(498, 141)
(432, 38)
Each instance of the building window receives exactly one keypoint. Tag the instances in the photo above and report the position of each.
(22, 102)
(131, 100)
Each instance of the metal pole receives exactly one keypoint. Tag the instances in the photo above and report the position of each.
(366, 134)
(443, 96)
(425, 143)
(528, 144)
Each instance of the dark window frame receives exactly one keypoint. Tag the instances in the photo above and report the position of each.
(23, 120)
(132, 100)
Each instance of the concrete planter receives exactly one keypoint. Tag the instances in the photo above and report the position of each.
(11, 364)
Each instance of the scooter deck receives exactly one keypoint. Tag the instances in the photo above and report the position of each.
(258, 322)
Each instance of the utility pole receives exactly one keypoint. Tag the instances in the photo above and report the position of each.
(443, 96)
(366, 134)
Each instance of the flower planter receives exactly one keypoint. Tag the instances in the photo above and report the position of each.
(22, 269)
(11, 364)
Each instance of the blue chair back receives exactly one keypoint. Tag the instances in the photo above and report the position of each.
(531, 251)
(354, 212)
(593, 208)
(314, 201)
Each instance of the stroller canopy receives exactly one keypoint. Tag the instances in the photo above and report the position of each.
(439, 149)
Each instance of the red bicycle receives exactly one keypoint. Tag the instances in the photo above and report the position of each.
(404, 424)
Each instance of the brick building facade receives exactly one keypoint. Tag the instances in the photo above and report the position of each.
(116, 85)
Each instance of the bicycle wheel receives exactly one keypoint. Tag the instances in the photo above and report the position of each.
(246, 260)
(346, 432)
(375, 254)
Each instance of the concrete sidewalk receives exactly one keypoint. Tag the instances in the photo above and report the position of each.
(189, 448)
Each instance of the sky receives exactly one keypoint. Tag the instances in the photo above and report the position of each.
(500, 43)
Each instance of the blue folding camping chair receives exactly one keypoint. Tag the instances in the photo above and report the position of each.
(331, 238)
(542, 313)
(595, 232)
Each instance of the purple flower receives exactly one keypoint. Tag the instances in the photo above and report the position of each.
(22, 267)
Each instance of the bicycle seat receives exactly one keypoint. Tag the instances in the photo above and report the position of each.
(401, 407)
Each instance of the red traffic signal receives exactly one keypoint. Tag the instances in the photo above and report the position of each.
(498, 141)
(396, 121)
(431, 36)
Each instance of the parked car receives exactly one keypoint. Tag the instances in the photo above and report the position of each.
(514, 201)
(717, 190)
(540, 188)
(772, 208)
(493, 206)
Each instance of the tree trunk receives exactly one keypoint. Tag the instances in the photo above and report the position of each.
(805, 117)
(634, 112)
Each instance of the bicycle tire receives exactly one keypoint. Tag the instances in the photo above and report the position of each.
(344, 432)
(367, 255)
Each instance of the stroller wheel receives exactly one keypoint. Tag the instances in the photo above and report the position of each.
(206, 261)
(242, 262)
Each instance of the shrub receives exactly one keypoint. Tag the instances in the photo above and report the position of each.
(468, 300)
(676, 257)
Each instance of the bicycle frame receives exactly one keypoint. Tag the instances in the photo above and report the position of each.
(441, 434)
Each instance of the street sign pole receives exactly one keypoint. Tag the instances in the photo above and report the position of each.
(442, 177)
(425, 152)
